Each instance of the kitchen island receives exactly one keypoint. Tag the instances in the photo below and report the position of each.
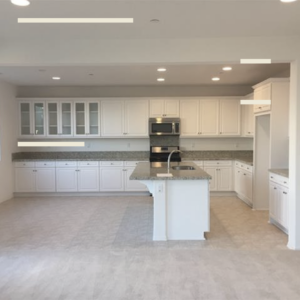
(181, 201)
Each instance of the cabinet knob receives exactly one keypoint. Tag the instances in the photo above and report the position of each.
(249, 132)
(220, 132)
(284, 182)
(285, 193)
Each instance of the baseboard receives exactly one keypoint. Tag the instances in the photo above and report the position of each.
(222, 194)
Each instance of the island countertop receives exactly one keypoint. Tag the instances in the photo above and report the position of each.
(148, 171)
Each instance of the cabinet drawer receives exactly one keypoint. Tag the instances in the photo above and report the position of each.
(88, 164)
(111, 163)
(131, 163)
(45, 164)
(246, 167)
(217, 163)
(70, 163)
(25, 164)
(279, 179)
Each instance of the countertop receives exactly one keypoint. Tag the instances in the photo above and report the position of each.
(243, 156)
(281, 172)
(145, 171)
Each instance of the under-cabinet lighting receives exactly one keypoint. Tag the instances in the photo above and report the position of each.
(160, 79)
(75, 20)
(255, 61)
(215, 79)
(254, 102)
(227, 69)
(161, 69)
(20, 2)
(56, 78)
(51, 144)
(287, 1)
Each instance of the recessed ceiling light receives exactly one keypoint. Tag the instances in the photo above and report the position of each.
(215, 79)
(286, 1)
(56, 78)
(160, 79)
(20, 2)
(161, 69)
(227, 69)
(75, 20)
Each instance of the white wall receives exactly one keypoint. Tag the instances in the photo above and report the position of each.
(8, 121)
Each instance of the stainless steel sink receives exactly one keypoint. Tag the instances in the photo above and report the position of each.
(178, 168)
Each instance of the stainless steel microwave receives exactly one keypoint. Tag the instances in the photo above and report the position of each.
(164, 126)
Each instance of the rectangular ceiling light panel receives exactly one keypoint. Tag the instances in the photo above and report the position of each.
(75, 20)
(51, 144)
(255, 61)
(255, 102)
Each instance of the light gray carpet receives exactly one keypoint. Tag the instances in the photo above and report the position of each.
(83, 248)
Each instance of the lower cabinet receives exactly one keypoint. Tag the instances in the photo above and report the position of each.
(132, 185)
(34, 177)
(221, 173)
(243, 182)
(278, 201)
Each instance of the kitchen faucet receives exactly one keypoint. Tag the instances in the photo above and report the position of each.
(169, 157)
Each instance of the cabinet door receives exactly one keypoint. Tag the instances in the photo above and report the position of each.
(224, 181)
(66, 179)
(171, 108)
(65, 118)
(209, 117)
(136, 118)
(25, 119)
(45, 180)
(111, 179)
(93, 118)
(273, 200)
(112, 118)
(189, 117)
(248, 185)
(157, 108)
(212, 171)
(25, 179)
(132, 185)
(247, 120)
(229, 117)
(237, 180)
(52, 118)
(262, 93)
(282, 212)
(88, 179)
(39, 118)
(80, 118)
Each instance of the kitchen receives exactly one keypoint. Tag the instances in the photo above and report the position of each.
(171, 52)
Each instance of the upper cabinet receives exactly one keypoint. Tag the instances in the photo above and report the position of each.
(247, 118)
(164, 108)
(210, 117)
(32, 118)
(59, 118)
(124, 118)
(87, 121)
(262, 93)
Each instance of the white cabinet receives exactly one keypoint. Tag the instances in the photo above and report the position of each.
(230, 117)
(59, 119)
(124, 118)
(278, 201)
(168, 108)
(243, 185)
(210, 117)
(262, 93)
(32, 118)
(66, 176)
(35, 177)
(247, 118)
(88, 176)
(132, 185)
(111, 176)
(87, 118)
(221, 173)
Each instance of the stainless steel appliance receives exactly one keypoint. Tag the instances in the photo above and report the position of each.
(159, 154)
(164, 126)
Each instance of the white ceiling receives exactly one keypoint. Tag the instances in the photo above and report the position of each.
(178, 19)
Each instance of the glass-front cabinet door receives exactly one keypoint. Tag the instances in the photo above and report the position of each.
(93, 118)
(80, 118)
(39, 118)
(66, 119)
(52, 118)
(25, 119)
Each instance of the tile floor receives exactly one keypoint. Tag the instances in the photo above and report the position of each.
(88, 248)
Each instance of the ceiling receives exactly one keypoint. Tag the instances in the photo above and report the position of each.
(182, 19)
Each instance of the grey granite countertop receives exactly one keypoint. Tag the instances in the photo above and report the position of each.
(282, 172)
(146, 171)
(243, 156)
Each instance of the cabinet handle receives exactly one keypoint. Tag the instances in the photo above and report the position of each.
(285, 193)
(45, 164)
(272, 177)
(260, 107)
(275, 188)
(220, 132)
(244, 174)
(249, 132)
(285, 182)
